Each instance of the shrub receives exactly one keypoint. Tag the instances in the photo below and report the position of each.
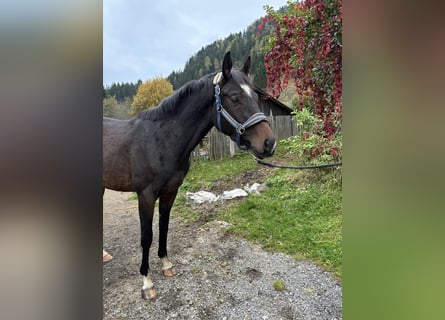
(311, 145)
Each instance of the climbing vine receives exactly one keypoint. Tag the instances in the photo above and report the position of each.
(307, 47)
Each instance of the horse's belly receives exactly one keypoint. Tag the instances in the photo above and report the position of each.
(116, 165)
(116, 175)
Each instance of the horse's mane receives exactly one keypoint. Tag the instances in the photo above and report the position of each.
(172, 104)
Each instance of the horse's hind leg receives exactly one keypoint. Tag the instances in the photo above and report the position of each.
(146, 202)
(165, 205)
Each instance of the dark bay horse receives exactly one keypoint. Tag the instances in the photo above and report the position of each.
(149, 154)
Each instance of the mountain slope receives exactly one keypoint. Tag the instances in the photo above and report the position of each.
(241, 45)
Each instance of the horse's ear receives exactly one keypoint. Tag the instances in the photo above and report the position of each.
(227, 66)
(246, 67)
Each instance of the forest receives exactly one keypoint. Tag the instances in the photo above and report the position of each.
(121, 91)
(241, 45)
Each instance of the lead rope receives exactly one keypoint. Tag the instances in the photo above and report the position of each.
(328, 165)
(273, 165)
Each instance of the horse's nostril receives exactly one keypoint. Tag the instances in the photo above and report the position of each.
(269, 145)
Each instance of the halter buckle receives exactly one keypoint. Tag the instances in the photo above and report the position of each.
(241, 129)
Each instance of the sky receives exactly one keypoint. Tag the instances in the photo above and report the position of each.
(145, 39)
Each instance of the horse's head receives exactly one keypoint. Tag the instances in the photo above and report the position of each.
(237, 113)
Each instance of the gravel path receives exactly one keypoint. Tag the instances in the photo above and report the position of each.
(219, 275)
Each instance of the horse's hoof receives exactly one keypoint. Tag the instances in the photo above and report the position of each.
(169, 272)
(106, 257)
(149, 294)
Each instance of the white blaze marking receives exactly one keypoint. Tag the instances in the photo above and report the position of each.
(148, 284)
(166, 264)
(247, 90)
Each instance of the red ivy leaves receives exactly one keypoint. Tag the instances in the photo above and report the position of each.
(307, 48)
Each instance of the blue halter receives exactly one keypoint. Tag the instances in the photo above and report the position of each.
(239, 127)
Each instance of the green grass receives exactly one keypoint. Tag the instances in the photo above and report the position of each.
(133, 196)
(299, 214)
(204, 173)
(279, 285)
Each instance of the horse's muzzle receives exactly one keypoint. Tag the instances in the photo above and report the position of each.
(260, 140)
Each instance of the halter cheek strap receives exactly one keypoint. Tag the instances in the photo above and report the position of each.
(239, 127)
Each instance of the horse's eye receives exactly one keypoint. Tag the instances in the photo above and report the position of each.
(234, 99)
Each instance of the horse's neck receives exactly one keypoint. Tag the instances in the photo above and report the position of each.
(195, 122)
(197, 126)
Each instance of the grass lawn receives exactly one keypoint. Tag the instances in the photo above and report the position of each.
(299, 214)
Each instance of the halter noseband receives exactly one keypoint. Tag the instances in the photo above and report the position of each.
(239, 127)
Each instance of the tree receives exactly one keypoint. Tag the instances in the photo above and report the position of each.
(115, 109)
(150, 93)
(307, 47)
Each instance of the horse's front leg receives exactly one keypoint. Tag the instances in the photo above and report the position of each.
(146, 201)
(165, 205)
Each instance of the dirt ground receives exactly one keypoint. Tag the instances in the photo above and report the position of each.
(220, 276)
